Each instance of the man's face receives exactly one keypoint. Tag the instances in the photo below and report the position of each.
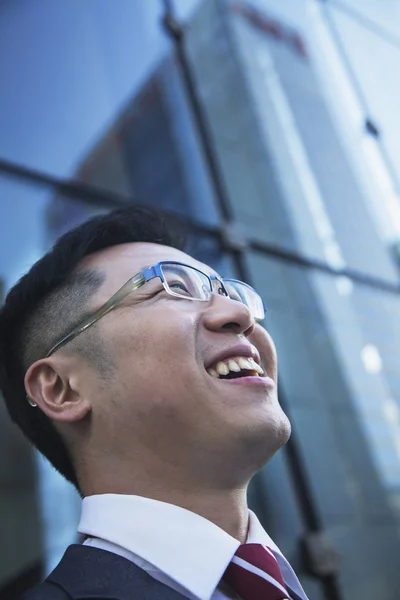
(164, 402)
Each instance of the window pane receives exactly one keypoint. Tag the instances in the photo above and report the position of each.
(367, 52)
(384, 14)
(84, 63)
(289, 181)
(105, 104)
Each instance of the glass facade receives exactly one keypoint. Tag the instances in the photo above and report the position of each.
(362, 28)
(95, 117)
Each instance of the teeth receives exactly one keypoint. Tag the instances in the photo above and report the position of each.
(222, 368)
(244, 363)
(256, 367)
(233, 366)
(236, 365)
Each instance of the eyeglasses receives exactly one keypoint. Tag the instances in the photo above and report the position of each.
(182, 281)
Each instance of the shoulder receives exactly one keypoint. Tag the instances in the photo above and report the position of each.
(45, 591)
(87, 572)
(81, 571)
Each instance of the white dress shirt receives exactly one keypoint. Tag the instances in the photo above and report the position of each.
(175, 546)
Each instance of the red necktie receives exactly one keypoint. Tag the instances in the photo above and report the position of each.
(255, 575)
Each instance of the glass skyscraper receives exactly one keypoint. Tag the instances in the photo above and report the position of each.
(314, 235)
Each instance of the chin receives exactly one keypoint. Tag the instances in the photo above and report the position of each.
(285, 430)
(280, 437)
(262, 441)
(274, 435)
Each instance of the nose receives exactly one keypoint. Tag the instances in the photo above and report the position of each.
(224, 314)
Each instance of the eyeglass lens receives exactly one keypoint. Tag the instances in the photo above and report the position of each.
(187, 282)
(245, 294)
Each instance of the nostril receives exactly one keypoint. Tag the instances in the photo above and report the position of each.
(231, 325)
(250, 330)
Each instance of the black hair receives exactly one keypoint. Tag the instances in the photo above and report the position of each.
(51, 298)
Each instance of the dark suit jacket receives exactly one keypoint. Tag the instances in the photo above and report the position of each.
(90, 573)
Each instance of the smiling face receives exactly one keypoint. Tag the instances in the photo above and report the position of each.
(165, 405)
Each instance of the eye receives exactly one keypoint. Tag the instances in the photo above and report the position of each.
(180, 287)
(235, 296)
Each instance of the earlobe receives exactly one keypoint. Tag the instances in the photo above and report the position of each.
(49, 388)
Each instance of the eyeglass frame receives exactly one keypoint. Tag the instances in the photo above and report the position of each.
(136, 282)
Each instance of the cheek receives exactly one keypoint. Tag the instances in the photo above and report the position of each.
(264, 343)
(155, 352)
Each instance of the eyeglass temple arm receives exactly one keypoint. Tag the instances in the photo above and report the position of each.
(133, 284)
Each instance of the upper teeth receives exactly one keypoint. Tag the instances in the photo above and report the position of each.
(236, 365)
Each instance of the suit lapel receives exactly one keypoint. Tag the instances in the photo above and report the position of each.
(86, 572)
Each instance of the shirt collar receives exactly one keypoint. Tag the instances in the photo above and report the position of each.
(191, 550)
(258, 535)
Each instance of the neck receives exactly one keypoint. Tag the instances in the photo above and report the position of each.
(225, 506)
(228, 510)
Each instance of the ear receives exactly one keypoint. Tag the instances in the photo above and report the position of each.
(51, 384)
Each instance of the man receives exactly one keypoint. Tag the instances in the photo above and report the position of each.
(147, 382)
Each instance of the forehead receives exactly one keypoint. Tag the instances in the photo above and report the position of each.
(121, 262)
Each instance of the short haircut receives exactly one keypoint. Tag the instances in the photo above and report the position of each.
(51, 299)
